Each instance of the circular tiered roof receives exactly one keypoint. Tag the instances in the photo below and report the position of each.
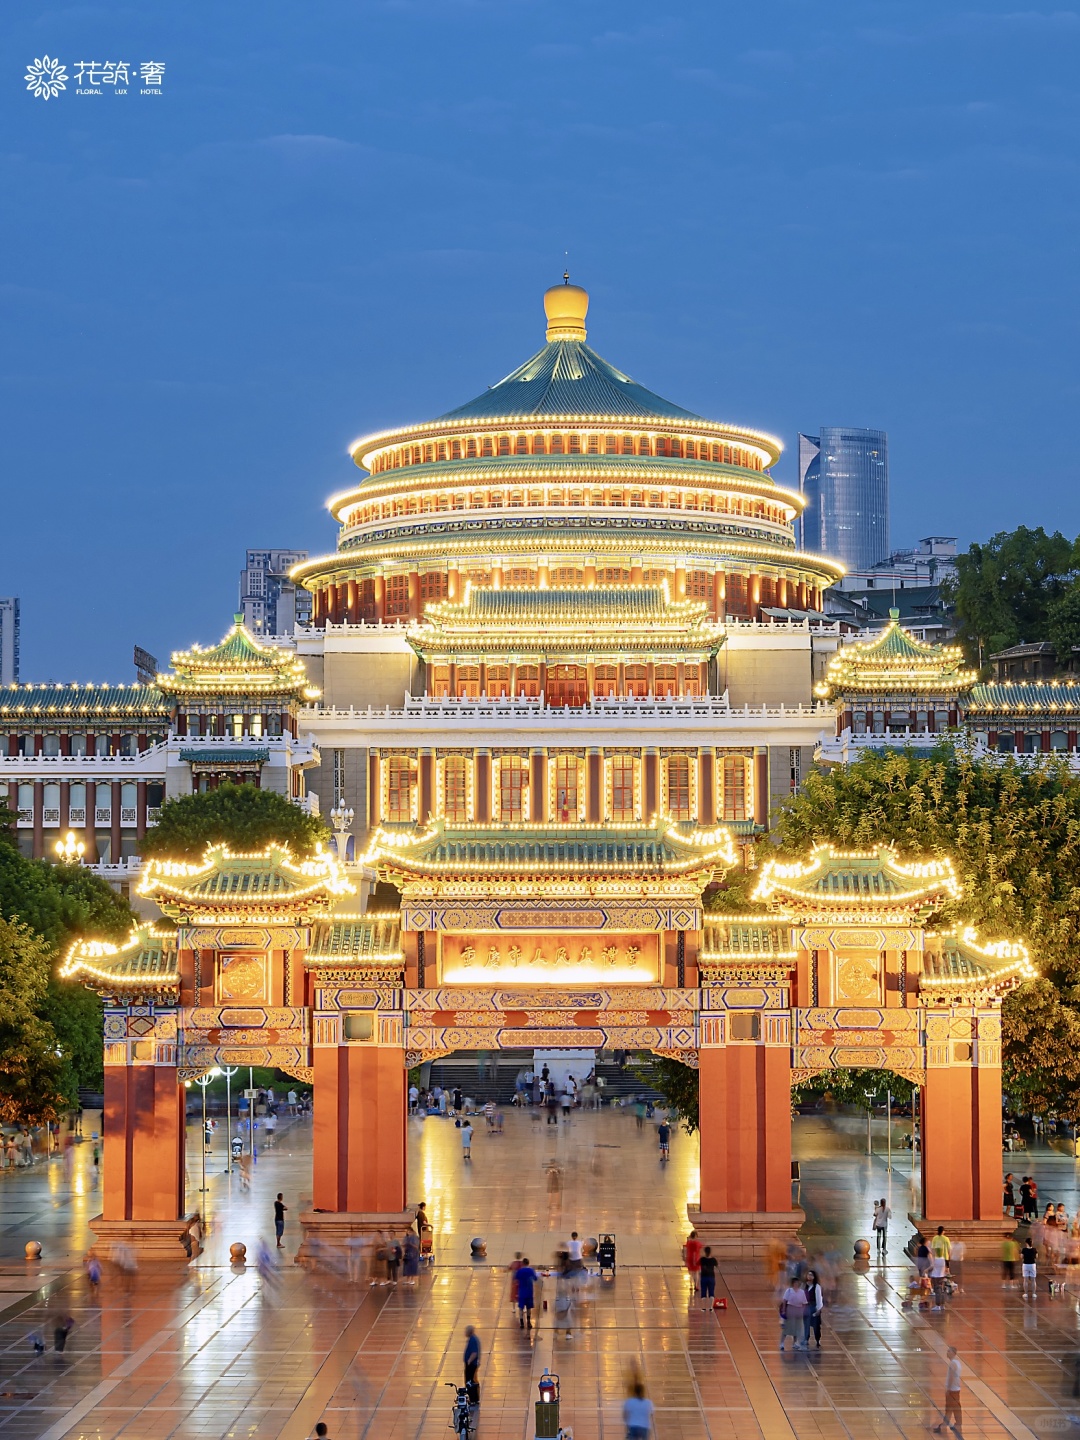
(568, 471)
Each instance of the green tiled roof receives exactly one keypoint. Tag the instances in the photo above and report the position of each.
(270, 877)
(148, 958)
(367, 938)
(756, 938)
(223, 755)
(615, 605)
(952, 956)
(82, 701)
(557, 848)
(1046, 698)
(566, 377)
(831, 878)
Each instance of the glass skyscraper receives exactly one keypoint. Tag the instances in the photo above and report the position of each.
(844, 476)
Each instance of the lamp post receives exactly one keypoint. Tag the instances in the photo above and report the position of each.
(341, 817)
(888, 1129)
(228, 1071)
(70, 850)
(869, 1119)
(203, 1081)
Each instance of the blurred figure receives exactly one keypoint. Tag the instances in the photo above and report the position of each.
(637, 1413)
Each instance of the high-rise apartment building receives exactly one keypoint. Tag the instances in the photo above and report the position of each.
(9, 640)
(844, 477)
(271, 604)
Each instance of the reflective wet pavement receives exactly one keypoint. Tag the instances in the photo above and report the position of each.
(210, 1351)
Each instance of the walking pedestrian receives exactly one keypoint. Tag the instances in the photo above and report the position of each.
(526, 1278)
(1029, 1197)
(953, 1371)
(815, 1303)
(279, 1218)
(321, 1431)
(420, 1218)
(472, 1364)
(62, 1328)
(663, 1134)
(566, 1099)
(1029, 1258)
(941, 1244)
(564, 1303)
(639, 1113)
(637, 1413)
(466, 1141)
(693, 1259)
(708, 1265)
(393, 1260)
(938, 1265)
(410, 1256)
(882, 1216)
(956, 1262)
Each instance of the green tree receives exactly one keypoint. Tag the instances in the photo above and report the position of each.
(1005, 588)
(676, 1082)
(35, 1083)
(1063, 623)
(1013, 833)
(242, 816)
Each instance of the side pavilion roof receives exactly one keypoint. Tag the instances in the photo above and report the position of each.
(223, 884)
(832, 882)
(895, 661)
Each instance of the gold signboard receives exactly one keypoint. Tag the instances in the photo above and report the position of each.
(560, 959)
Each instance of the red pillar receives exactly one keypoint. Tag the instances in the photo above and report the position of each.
(961, 1130)
(143, 1136)
(359, 1130)
(745, 1126)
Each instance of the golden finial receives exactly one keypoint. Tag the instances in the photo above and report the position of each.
(566, 306)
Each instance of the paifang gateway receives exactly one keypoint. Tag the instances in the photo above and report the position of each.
(564, 665)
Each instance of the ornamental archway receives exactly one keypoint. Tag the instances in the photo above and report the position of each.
(533, 937)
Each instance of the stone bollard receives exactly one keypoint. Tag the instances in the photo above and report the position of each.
(862, 1249)
(33, 1250)
(478, 1247)
(238, 1253)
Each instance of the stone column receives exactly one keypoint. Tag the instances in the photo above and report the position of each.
(143, 1139)
(114, 827)
(538, 786)
(90, 835)
(374, 791)
(961, 1127)
(706, 806)
(358, 1133)
(65, 806)
(761, 785)
(745, 1128)
(594, 801)
(482, 786)
(651, 795)
(380, 598)
(427, 785)
(39, 819)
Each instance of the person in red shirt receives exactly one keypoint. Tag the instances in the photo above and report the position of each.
(693, 1259)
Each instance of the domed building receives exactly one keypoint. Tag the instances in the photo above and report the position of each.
(564, 476)
(568, 600)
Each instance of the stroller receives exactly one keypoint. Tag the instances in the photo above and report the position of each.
(605, 1255)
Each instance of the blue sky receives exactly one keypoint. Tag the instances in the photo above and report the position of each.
(338, 216)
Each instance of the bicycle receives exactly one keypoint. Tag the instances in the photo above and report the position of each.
(461, 1415)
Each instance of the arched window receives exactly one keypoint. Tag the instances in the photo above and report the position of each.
(513, 784)
(487, 448)
(567, 778)
(470, 448)
(573, 444)
(504, 444)
(628, 445)
(734, 786)
(400, 785)
(644, 446)
(456, 789)
(678, 787)
(556, 444)
(521, 445)
(623, 788)
(538, 445)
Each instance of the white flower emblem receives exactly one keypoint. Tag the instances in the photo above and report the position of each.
(46, 77)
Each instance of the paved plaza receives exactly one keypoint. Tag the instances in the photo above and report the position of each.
(211, 1351)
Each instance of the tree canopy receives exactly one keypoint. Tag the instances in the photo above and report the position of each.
(244, 817)
(47, 906)
(1008, 589)
(1013, 833)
